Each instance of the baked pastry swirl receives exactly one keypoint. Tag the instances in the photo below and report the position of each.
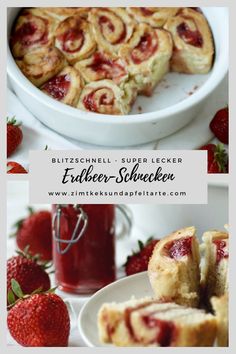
(147, 322)
(215, 271)
(173, 269)
(112, 27)
(61, 13)
(130, 48)
(105, 97)
(74, 38)
(65, 86)
(154, 16)
(193, 44)
(148, 55)
(101, 66)
(41, 64)
(33, 29)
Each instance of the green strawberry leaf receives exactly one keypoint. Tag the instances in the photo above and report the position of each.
(16, 288)
(11, 297)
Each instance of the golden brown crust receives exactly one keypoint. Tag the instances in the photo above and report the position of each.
(193, 43)
(112, 27)
(105, 97)
(147, 54)
(177, 280)
(41, 64)
(65, 87)
(74, 38)
(154, 16)
(33, 29)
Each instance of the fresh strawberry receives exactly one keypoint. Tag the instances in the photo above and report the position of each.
(15, 167)
(28, 273)
(35, 231)
(220, 125)
(217, 158)
(14, 135)
(38, 320)
(138, 262)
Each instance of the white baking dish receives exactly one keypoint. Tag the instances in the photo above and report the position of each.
(175, 103)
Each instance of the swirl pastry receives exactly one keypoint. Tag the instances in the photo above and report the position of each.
(41, 64)
(101, 66)
(193, 43)
(65, 86)
(173, 268)
(112, 27)
(61, 13)
(33, 29)
(74, 38)
(154, 16)
(148, 55)
(106, 97)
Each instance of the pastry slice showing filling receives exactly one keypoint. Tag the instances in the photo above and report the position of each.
(146, 322)
(215, 268)
(173, 269)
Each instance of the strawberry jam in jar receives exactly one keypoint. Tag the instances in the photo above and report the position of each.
(83, 247)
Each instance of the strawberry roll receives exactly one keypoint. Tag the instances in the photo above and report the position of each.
(65, 86)
(74, 38)
(41, 64)
(193, 43)
(112, 27)
(153, 16)
(105, 97)
(148, 55)
(33, 29)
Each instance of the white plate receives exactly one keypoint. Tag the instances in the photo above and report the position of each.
(135, 285)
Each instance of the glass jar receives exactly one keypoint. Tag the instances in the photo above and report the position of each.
(84, 246)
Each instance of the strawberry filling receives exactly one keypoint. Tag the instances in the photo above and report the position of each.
(180, 248)
(107, 27)
(221, 251)
(101, 96)
(165, 330)
(31, 33)
(106, 67)
(72, 40)
(58, 87)
(145, 49)
(193, 38)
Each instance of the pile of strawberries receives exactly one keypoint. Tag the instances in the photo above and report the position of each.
(14, 140)
(217, 155)
(36, 315)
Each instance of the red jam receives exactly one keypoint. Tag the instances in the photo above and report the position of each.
(105, 23)
(106, 67)
(165, 330)
(145, 49)
(28, 33)
(193, 38)
(58, 87)
(180, 248)
(70, 38)
(92, 105)
(90, 263)
(146, 11)
(221, 250)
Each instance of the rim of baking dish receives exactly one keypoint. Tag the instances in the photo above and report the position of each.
(218, 72)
